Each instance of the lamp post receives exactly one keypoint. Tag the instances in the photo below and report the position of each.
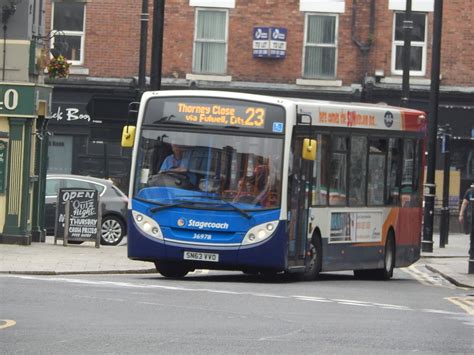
(407, 29)
(445, 135)
(430, 187)
(157, 44)
(143, 44)
(471, 249)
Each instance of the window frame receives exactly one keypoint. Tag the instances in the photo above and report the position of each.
(196, 40)
(306, 45)
(398, 43)
(80, 34)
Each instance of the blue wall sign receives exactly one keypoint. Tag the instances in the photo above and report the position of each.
(269, 42)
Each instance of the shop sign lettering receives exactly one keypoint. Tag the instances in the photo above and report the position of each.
(70, 114)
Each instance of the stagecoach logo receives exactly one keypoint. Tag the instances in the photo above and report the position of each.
(388, 119)
(201, 224)
(181, 222)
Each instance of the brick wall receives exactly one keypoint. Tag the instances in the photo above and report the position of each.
(113, 34)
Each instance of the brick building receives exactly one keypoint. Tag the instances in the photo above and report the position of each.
(347, 50)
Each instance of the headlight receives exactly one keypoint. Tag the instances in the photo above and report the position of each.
(260, 233)
(147, 225)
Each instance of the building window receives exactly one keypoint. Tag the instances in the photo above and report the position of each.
(320, 46)
(69, 24)
(418, 44)
(210, 41)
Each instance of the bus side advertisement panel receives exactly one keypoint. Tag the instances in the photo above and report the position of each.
(356, 227)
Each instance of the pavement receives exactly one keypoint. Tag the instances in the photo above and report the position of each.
(451, 262)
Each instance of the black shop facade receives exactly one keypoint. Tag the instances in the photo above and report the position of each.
(87, 143)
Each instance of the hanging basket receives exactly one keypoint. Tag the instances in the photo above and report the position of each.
(58, 67)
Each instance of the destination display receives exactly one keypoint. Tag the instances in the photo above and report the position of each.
(225, 115)
(216, 112)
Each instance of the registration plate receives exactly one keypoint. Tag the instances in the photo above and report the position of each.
(195, 255)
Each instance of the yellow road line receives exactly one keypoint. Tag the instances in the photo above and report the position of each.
(466, 303)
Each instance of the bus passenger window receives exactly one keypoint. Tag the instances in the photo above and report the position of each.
(358, 173)
(376, 178)
(320, 185)
(393, 175)
(407, 172)
(338, 171)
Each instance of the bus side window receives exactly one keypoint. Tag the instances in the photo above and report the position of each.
(393, 172)
(338, 172)
(320, 184)
(376, 177)
(358, 170)
(407, 172)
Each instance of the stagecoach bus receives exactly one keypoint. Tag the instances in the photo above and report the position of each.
(263, 184)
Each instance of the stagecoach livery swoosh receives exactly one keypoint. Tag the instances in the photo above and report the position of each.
(390, 220)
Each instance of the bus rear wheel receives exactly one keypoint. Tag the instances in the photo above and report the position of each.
(386, 272)
(170, 269)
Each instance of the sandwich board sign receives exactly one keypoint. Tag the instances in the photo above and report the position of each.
(78, 216)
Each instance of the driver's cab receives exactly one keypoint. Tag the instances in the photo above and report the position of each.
(186, 167)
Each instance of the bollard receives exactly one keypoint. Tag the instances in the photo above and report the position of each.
(471, 249)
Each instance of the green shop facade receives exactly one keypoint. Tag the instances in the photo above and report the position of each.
(24, 114)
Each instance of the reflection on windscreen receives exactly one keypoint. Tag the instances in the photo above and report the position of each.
(173, 167)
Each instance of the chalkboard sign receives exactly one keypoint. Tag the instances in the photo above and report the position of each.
(78, 216)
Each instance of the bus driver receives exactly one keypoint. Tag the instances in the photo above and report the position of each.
(175, 161)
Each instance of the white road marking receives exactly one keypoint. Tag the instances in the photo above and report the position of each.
(6, 323)
(217, 291)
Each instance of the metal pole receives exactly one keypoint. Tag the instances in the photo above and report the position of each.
(407, 29)
(157, 44)
(444, 220)
(471, 249)
(143, 44)
(430, 187)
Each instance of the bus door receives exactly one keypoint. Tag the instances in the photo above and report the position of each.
(298, 203)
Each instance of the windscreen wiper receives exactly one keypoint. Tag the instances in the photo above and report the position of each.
(241, 211)
(162, 206)
(148, 201)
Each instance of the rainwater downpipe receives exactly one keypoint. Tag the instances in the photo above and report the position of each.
(364, 47)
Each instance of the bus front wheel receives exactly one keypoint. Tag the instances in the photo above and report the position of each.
(170, 269)
(315, 260)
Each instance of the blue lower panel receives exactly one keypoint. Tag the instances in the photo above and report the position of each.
(268, 255)
(346, 256)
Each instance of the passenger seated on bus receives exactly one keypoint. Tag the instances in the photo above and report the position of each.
(245, 190)
(260, 173)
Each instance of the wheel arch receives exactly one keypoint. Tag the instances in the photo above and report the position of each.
(316, 237)
(116, 215)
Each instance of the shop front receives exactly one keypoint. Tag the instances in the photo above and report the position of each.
(82, 145)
